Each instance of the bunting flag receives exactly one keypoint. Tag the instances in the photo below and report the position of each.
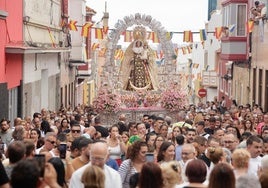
(102, 52)
(176, 51)
(63, 23)
(51, 38)
(72, 25)
(196, 65)
(190, 65)
(183, 50)
(189, 49)
(203, 44)
(187, 36)
(98, 33)
(95, 46)
(218, 31)
(153, 36)
(161, 55)
(232, 28)
(119, 54)
(85, 29)
(203, 35)
(105, 30)
(155, 54)
(127, 36)
(250, 25)
(169, 35)
(199, 77)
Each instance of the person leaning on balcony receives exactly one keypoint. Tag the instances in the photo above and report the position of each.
(259, 11)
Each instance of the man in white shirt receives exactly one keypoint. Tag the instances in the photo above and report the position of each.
(50, 143)
(98, 157)
(254, 146)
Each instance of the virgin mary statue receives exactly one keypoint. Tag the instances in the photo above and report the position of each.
(138, 69)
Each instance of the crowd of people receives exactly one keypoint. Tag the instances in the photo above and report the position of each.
(203, 147)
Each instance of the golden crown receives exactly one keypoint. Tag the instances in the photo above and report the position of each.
(139, 33)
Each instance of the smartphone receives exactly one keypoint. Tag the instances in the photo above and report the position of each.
(149, 157)
(41, 161)
(62, 149)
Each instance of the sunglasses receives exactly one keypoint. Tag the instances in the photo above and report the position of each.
(52, 142)
(76, 131)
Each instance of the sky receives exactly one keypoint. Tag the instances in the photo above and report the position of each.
(174, 15)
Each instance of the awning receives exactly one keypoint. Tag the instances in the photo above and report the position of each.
(23, 49)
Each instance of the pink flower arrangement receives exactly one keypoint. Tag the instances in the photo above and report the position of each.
(106, 101)
(140, 98)
(174, 99)
(130, 100)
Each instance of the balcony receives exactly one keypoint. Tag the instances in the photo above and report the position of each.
(210, 79)
(234, 48)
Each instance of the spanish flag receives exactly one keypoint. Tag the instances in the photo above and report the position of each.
(218, 31)
(95, 46)
(187, 36)
(203, 35)
(98, 33)
(250, 25)
(72, 25)
(119, 54)
(85, 29)
(105, 30)
(153, 36)
(127, 36)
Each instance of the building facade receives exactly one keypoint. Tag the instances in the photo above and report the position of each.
(10, 63)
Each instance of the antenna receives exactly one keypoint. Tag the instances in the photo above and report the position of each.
(105, 17)
(105, 6)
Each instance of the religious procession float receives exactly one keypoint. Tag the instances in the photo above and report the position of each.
(140, 83)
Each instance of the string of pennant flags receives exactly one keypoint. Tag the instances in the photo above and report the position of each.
(128, 37)
(187, 35)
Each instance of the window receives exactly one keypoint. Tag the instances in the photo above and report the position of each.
(241, 20)
(235, 15)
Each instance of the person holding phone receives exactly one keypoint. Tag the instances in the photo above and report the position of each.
(116, 146)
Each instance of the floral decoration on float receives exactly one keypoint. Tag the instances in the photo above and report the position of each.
(174, 98)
